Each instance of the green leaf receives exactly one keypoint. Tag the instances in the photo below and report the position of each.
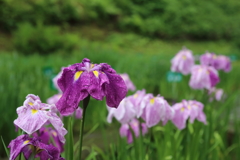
(6, 150)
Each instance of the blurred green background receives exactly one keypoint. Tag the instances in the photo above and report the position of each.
(139, 37)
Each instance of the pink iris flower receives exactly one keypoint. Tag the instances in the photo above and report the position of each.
(136, 100)
(124, 113)
(155, 109)
(203, 76)
(183, 62)
(219, 62)
(215, 94)
(125, 130)
(188, 109)
(34, 114)
(128, 82)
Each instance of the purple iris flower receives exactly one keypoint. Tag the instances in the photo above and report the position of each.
(183, 62)
(128, 82)
(28, 146)
(124, 113)
(136, 100)
(34, 114)
(188, 109)
(49, 136)
(125, 130)
(97, 80)
(156, 109)
(203, 77)
(54, 99)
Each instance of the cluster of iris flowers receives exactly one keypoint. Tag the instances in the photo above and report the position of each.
(43, 130)
(76, 83)
(205, 74)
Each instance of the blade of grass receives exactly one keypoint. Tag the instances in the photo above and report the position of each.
(6, 150)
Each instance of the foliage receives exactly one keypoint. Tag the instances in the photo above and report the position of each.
(158, 18)
(43, 39)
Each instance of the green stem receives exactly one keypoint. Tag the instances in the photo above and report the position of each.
(70, 143)
(32, 156)
(85, 104)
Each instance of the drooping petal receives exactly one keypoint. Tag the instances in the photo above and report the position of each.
(74, 93)
(58, 125)
(17, 145)
(31, 120)
(116, 90)
(124, 113)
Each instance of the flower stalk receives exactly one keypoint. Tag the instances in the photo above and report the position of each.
(85, 104)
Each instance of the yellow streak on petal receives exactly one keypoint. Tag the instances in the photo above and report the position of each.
(25, 142)
(135, 95)
(182, 109)
(214, 56)
(96, 73)
(152, 101)
(184, 57)
(77, 75)
(34, 111)
(59, 96)
(54, 133)
(189, 107)
(92, 65)
(38, 150)
(30, 103)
